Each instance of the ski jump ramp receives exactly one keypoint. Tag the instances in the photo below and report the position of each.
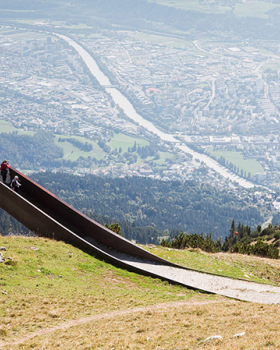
(48, 216)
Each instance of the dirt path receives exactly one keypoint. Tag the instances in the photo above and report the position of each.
(232, 288)
(106, 315)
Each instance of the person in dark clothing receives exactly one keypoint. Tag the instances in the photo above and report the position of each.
(4, 170)
(15, 184)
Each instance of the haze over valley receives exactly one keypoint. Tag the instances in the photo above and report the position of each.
(204, 73)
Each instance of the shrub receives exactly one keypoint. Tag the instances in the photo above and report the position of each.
(277, 235)
(260, 249)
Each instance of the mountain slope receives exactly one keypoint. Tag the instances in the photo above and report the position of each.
(162, 205)
(54, 295)
(149, 15)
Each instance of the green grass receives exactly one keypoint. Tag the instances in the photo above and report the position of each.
(54, 295)
(61, 268)
(256, 8)
(193, 5)
(43, 279)
(166, 40)
(6, 126)
(124, 141)
(72, 153)
(251, 166)
(223, 264)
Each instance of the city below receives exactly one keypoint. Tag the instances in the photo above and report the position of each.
(210, 97)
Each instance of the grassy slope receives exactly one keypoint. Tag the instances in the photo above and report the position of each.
(255, 8)
(251, 166)
(224, 264)
(72, 153)
(59, 296)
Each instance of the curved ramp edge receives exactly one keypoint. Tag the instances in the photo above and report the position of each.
(47, 215)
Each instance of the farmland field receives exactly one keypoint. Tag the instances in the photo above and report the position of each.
(237, 159)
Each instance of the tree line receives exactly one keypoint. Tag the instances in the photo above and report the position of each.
(147, 210)
(241, 239)
(162, 206)
(83, 146)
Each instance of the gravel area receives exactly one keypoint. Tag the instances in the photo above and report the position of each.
(233, 288)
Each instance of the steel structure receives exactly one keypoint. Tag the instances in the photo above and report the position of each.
(47, 215)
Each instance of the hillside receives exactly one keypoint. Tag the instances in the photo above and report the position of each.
(166, 206)
(215, 16)
(54, 295)
(147, 208)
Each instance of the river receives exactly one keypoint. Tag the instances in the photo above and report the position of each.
(131, 113)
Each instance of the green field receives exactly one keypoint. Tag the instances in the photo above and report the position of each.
(255, 9)
(242, 9)
(163, 157)
(193, 5)
(251, 166)
(7, 127)
(166, 40)
(120, 142)
(124, 141)
(72, 153)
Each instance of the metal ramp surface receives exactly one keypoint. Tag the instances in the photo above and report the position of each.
(46, 215)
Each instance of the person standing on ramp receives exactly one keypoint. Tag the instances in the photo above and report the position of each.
(4, 170)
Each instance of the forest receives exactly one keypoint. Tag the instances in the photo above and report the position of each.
(147, 209)
(241, 239)
(31, 152)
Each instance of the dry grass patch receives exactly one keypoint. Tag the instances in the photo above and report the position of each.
(56, 296)
(181, 325)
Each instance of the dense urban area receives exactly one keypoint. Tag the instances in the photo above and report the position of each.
(217, 93)
(212, 95)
